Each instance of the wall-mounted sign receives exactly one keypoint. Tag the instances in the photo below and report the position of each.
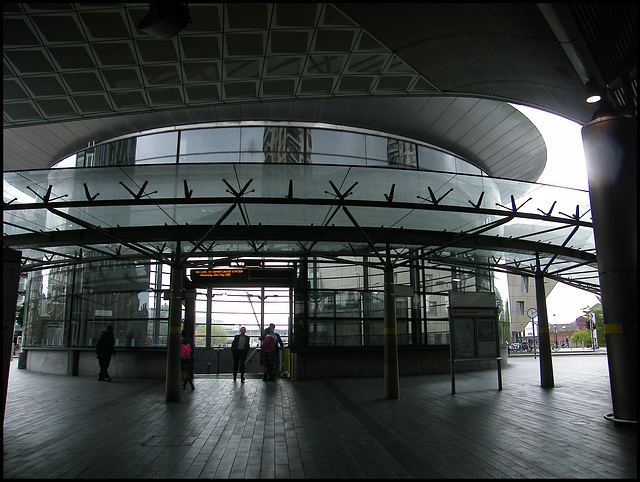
(218, 273)
(242, 277)
(104, 313)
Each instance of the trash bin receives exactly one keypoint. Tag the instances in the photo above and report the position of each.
(22, 360)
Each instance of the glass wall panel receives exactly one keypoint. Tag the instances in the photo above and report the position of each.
(436, 160)
(210, 145)
(374, 304)
(376, 279)
(336, 147)
(336, 276)
(46, 309)
(348, 333)
(463, 167)
(375, 336)
(251, 139)
(321, 333)
(71, 306)
(157, 148)
(402, 153)
(287, 145)
(347, 304)
(201, 317)
(272, 144)
(403, 329)
(322, 303)
(117, 153)
(376, 147)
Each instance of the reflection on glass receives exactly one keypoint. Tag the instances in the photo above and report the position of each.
(157, 148)
(402, 153)
(72, 305)
(286, 145)
(436, 160)
(210, 145)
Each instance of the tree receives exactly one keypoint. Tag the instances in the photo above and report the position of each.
(582, 336)
(220, 335)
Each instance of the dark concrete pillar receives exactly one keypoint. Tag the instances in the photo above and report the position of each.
(391, 379)
(544, 342)
(10, 282)
(610, 153)
(172, 380)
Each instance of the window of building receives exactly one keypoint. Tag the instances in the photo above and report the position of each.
(524, 284)
(519, 307)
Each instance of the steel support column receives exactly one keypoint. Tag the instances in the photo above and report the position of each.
(172, 380)
(391, 381)
(10, 283)
(610, 154)
(544, 342)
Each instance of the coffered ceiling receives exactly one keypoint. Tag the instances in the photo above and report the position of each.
(82, 72)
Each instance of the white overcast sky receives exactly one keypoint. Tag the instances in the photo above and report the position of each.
(565, 167)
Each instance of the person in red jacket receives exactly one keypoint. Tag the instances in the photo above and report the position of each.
(268, 355)
(186, 362)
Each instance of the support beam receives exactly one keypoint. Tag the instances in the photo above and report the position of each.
(611, 158)
(10, 282)
(172, 380)
(391, 378)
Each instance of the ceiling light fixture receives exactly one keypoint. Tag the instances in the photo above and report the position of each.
(592, 92)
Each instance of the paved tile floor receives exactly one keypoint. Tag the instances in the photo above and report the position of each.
(77, 427)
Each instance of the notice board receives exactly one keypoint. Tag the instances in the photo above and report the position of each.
(473, 325)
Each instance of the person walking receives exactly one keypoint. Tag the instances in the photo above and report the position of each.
(105, 348)
(239, 349)
(187, 349)
(268, 355)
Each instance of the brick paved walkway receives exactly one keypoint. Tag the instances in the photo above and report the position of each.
(77, 427)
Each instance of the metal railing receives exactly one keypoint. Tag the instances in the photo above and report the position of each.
(215, 353)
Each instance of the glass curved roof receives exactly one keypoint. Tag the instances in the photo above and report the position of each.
(61, 215)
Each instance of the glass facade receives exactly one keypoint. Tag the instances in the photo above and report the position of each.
(343, 305)
(70, 306)
(281, 144)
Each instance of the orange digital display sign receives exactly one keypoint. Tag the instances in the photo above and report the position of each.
(241, 277)
(217, 273)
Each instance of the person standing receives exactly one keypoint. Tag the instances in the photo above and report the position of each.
(268, 355)
(105, 348)
(187, 349)
(279, 345)
(239, 349)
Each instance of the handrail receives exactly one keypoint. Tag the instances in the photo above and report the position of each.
(214, 352)
(255, 350)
